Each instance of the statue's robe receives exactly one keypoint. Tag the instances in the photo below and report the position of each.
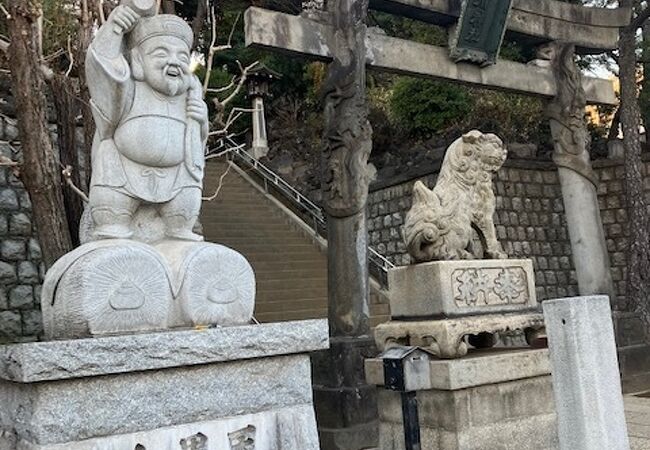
(140, 147)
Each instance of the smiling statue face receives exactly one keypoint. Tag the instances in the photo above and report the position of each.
(166, 64)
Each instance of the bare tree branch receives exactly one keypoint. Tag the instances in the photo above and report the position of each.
(67, 176)
(214, 48)
(244, 76)
(100, 7)
(8, 162)
(219, 186)
(45, 70)
(5, 12)
(640, 18)
(225, 88)
(71, 56)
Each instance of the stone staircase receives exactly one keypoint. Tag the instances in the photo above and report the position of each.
(290, 263)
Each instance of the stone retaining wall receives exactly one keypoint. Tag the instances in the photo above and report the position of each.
(21, 268)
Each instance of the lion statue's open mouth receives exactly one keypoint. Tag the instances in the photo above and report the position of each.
(441, 221)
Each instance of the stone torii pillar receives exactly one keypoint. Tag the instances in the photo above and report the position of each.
(566, 112)
(345, 404)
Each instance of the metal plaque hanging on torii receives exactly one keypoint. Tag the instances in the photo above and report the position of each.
(479, 33)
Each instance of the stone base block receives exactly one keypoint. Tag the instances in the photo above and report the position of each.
(522, 434)
(496, 399)
(358, 437)
(462, 288)
(346, 406)
(272, 430)
(220, 389)
(445, 338)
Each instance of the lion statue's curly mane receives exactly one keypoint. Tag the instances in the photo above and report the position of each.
(441, 223)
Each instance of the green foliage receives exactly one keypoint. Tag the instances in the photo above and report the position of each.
(59, 25)
(423, 107)
(412, 30)
(515, 118)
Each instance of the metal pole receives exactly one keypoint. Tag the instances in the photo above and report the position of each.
(411, 421)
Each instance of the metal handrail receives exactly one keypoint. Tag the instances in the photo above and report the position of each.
(306, 206)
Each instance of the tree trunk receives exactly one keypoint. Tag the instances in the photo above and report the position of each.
(168, 7)
(199, 20)
(644, 99)
(40, 172)
(66, 105)
(638, 261)
(85, 36)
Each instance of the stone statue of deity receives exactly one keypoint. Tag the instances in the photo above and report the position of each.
(152, 125)
(141, 267)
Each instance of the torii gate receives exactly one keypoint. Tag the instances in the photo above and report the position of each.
(338, 35)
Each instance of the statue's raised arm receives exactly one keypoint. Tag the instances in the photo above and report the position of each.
(106, 65)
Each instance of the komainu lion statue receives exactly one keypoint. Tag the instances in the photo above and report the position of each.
(441, 223)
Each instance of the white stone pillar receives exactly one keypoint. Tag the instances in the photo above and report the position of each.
(588, 248)
(570, 136)
(260, 145)
(586, 380)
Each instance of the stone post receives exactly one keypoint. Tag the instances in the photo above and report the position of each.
(260, 146)
(568, 128)
(345, 404)
(585, 373)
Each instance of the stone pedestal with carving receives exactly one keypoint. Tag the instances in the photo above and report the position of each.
(447, 306)
(492, 399)
(446, 338)
(229, 388)
(462, 288)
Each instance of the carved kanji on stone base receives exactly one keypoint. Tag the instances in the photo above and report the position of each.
(199, 441)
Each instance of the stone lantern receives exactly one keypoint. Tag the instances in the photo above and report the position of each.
(258, 83)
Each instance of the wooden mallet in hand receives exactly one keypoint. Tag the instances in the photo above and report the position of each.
(145, 8)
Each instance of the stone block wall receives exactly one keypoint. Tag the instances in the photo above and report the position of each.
(611, 199)
(21, 268)
(633, 352)
(529, 220)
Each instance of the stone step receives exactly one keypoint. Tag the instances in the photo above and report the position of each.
(285, 316)
(262, 241)
(254, 248)
(315, 262)
(254, 206)
(278, 284)
(252, 217)
(273, 257)
(289, 264)
(319, 270)
(253, 223)
(258, 238)
(241, 204)
(289, 305)
(289, 294)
